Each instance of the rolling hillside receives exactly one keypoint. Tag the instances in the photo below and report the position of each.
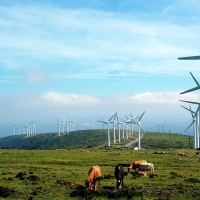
(95, 139)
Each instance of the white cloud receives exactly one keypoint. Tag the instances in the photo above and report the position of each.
(146, 98)
(149, 98)
(69, 99)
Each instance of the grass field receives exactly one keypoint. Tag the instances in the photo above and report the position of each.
(61, 174)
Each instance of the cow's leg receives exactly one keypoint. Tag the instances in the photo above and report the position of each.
(118, 183)
(122, 183)
(95, 184)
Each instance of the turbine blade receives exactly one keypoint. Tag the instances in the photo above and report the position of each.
(190, 102)
(191, 111)
(188, 109)
(190, 58)
(112, 117)
(189, 125)
(141, 116)
(102, 121)
(194, 79)
(115, 115)
(190, 90)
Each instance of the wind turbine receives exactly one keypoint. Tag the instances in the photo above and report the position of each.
(67, 122)
(73, 125)
(58, 126)
(114, 124)
(127, 130)
(108, 123)
(139, 127)
(14, 127)
(123, 124)
(19, 129)
(34, 129)
(195, 125)
(118, 124)
(128, 121)
(197, 115)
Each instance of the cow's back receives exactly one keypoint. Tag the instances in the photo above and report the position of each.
(145, 166)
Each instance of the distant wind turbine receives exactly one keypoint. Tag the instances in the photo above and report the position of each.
(58, 127)
(14, 127)
(114, 125)
(19, 129)
(139, 128)
(118, 124)
(108, 123)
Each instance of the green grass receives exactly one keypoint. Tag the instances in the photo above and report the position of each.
(61, 174)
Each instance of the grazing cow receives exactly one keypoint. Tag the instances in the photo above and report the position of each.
(94, 175)
(135, 164)
(141, 173)
(119, 175)
(146, 167)
(182, 154)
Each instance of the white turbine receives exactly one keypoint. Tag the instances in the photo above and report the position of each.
(139, 128)
(19, 129)
(123, 126)
(73, 125)
(58, 127)
(14, 129)
(196, 119)
(67, 124)
(118, 124)
(197, 115)
(108, 123)
(114, 125)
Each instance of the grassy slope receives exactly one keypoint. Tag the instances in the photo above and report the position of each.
(96, 139)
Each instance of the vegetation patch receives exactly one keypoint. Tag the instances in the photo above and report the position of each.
(5, 192)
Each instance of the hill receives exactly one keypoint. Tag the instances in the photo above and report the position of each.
(95, 139)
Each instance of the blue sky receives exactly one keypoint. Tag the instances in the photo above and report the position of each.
(90, 59)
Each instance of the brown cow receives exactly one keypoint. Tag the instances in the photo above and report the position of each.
(94, 175)
(136, 164)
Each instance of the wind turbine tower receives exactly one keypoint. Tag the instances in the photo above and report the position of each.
(108, 123)
(58, 127)
(194, 123)
(14, 128)
(139, 127)
(197, 114)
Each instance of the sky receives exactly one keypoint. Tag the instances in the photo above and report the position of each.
(88, 59)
